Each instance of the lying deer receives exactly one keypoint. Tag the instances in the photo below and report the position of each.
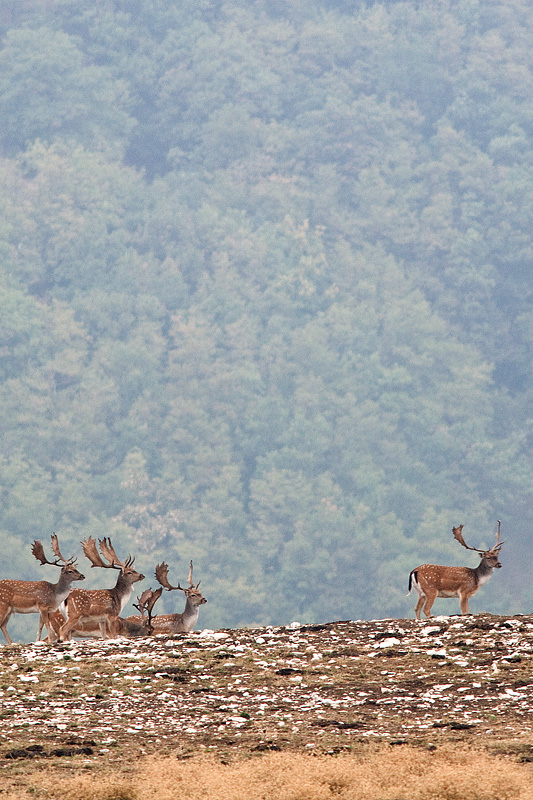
(172, 623)
(130, 628)
(432, 581)
(90, 628)
(26, 597)
(101, 606)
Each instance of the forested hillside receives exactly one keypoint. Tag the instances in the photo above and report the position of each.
(265, 276)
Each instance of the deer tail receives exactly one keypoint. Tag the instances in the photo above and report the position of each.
(413, 574)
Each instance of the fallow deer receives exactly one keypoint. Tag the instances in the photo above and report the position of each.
(90, 628)
(133, 627)
(174, 623)
(26, 597)
(431, 581)
(102, 606)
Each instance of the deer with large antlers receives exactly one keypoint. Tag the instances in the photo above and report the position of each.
(42, 597)
(102, 606)
(431, 581)
(171, 623)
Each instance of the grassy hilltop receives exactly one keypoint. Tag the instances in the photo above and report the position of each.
(381, 709)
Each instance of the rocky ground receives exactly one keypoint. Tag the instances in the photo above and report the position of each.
(321, 688)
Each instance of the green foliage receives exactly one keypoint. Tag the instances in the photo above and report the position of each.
(46, 91)
(265, 288)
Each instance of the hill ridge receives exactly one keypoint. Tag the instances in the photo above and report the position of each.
(325, 687)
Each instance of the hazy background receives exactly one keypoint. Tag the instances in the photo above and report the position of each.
(265, 279)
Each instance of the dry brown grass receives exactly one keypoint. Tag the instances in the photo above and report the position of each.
(380, 773)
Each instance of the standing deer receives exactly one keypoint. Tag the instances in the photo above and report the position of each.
(173, 623)
(102, 606)
(26, 597)
(432, 581)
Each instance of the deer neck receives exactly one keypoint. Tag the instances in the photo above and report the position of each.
(483, 571)
(122, 592)
(190, 613)
(62, 587)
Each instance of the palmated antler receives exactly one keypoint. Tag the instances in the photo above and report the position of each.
(90, 552)
(107, 551)
(145, 604)
(55, 549)
(458, 534)
(38, 551)
(147, 601)
(161, 574)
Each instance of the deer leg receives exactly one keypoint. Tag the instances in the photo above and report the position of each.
(57, 619)
(65, 629)
(419, 604)
(9, 640)
(5, 614)
(463, 599)
(430, 599)
(45, 618)
(56, 625)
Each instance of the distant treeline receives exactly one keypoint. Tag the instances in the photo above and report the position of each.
(265, 276)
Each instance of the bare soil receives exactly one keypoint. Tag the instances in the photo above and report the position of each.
(325, 689)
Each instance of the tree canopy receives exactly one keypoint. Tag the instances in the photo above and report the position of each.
(265, 278)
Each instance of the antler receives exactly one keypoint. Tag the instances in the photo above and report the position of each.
(498, 544)
(56, 551)
(147, 600)
(458, 534)
(106, 549)
(90, 552)
(161, 573)
(145, 604)
(38, 551)
(191, 584)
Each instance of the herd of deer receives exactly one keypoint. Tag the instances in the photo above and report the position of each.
(67, 612)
